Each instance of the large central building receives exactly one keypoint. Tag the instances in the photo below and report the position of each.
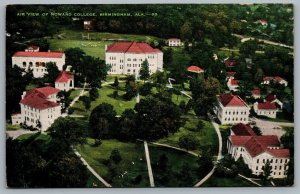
(127, 58)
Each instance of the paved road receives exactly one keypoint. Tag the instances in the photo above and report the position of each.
(19, 132)
(217, 129)
(91, 169)
(150, 173)
(245, 38)
(270, 127)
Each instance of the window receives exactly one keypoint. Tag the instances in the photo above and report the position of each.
(275, 167)
(24, 64)
(128, 59)
(256, 167)
(257, 161)
(30, 64)
(280, 167)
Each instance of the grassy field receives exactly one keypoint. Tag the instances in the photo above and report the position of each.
(75, 93)
(206, 137)
(31, 86)
(172, 175)
(41, 137)
(119, 104)
(237, 181)
(130, 152)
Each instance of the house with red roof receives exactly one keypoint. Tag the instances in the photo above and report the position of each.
(127, 58)
(272, 98)
(174, 42)
(233, 84)
(230, 75)
(195, 69)
(39, 107)
(36, 61)
(276, 79)
(65, 81)
(258, 150)
(265, 109)
(256, 93)
(231, 109)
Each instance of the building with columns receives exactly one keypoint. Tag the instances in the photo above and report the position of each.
(37, 61)
(258, 150)
(127, 58)
(231, 109)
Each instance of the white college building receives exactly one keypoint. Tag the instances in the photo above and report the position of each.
(127, 58)
(38, 106)
(64, 81)
(174, 42)
(231, 109)
(258, 150)
(265, 109)
(37, 61)
(233, 84)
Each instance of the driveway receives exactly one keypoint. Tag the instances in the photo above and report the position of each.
(270, 127)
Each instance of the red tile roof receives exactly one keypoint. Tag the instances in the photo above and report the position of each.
(234, 82)
(39, 54)
(266, 106)
(256, 145)
(230, 63)
(242, 130)
(131, 47)
(37, 98)
(276, 78)
(64, 76)
(195, 69)
(173, 39)
(256, 92)
(231, 73)
(270, 98)
(231, 100)
(32, 47)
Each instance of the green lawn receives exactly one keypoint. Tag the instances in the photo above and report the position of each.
(10, 127)
(31, 86)
(41, 137)
(130, 152)
(207, 137)
(93, 182)
(215, 181)
(119, 104)
(75, 93)
(171, 177)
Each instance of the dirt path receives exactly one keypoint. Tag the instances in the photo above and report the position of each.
(150, 173)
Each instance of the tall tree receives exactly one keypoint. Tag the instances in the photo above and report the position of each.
(144, 72)
(52, 72)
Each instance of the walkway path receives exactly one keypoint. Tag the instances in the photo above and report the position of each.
(91, 169)
(150, 173)
(176, 148)
(248, 179)
(15, 134)
(216, 126)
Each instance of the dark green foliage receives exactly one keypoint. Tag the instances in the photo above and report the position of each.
(145, 89)
(187, 142)
(144, 72)
(94, 94)
(86, 101)
(97, 143)
(168, 54)
(130, 88)
(65, 100)
(116, 82)
(115, 156)
(257, 130)
(163, 162)
(102, 121)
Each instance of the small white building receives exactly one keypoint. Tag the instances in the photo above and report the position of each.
(64, 81)
(265, 109)
(32, 48)
(39, 106)
(258, 150)
(268, 79)
(16, 118)
(230, 75)
(272, 98)
(233, 84)
(231, 109)
(256, 93)
(37, 61)
(174, 42)
(127, 58)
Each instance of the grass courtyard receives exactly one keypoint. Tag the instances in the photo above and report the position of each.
(133, 161)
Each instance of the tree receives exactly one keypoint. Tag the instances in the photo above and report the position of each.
(205, 163)
(128, 131)
(267, 170)
(65, 100)
(200, 125)
(144, 72)
(187, 142)
(168, 55)
(184, 174)
(87, 102)
(145, 89)
(115, 156)
(74, 58)
(102, 121)
(52, 72)
(186, 31)
(116, 82)
(163, 162)
(94, 94)
(257, 130)
(130, 88)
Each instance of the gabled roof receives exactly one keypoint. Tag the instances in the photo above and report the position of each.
(37, 98)
(195, 69)
(266, 106)
(256, 145)
(39, 54)
(64, 76)
(242, 130)
(230, 73)
(256, 92)
(234, 82)
(173, 39)
(131, 47)
(231, 100)
(270, 98)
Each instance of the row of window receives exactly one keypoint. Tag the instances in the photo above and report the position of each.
(236, 112)
(271, 160)
(266, 112)
(31, 108)
(234, 119)
(37, 64)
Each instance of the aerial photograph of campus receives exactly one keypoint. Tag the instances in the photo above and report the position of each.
(149, 95)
